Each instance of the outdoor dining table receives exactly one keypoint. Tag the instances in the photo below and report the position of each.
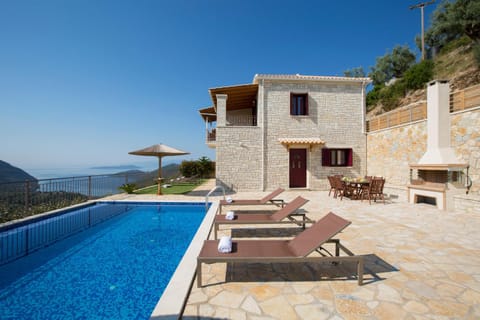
(355, 188)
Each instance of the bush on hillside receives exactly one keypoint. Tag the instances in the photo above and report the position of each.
(455, 44)
(373, 96)
(391, 95)
(476, 53)
(418, 75)
(414, 78)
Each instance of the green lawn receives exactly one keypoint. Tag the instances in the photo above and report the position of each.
(174, 189)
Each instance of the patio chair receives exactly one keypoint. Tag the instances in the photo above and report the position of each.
(331, 181)
(341, 188)
(299, 249)
(268, 199)
(374, 190)
(285, 215)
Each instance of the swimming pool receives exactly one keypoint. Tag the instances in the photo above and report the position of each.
(116, 269)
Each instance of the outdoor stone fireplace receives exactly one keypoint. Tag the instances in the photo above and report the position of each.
(438, 175)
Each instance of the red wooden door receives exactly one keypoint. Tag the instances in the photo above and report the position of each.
(298, 168)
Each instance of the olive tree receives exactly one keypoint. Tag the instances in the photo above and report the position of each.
(392, 65)
(452, 20)
(357, 72)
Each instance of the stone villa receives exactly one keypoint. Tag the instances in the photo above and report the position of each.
(292, 131)
(289, 131)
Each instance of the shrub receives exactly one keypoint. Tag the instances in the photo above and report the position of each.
(373, 96)
(128, 187)
(455, 44)
(418, 75)
(189, 168)
(476, 53)
(203, 167)
(389, 96)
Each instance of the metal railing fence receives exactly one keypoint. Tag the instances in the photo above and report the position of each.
(25, 198)
(20, 240)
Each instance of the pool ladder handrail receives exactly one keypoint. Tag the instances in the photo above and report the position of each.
(213, 190)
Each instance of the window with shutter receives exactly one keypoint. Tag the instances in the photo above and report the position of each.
(299, 104)
(337, 157)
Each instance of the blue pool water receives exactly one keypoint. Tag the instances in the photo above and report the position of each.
(116, 269)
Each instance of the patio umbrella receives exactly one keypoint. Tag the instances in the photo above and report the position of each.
(159, 150)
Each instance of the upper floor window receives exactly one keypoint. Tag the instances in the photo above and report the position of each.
(337, 157)
(299, 104)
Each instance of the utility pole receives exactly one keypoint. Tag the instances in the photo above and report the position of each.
(421, 6)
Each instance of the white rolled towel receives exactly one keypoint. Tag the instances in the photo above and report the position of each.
(230, 215)
(229, 199)
(225, 244)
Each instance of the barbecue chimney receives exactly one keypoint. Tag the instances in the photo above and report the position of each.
(439, 173)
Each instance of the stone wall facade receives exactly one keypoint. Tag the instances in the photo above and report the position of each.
(253, 158)
(239, 158)
(335, 116)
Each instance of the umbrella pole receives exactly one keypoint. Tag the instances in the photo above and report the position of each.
(159, 190)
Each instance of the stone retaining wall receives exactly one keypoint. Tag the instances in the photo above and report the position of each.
(390, 151)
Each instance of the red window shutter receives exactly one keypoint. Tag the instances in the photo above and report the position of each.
(306, 104)
(291, 103)
(349, 157)
(325, 157)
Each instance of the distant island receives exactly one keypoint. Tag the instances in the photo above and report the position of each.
(123, 167)
(9, 173)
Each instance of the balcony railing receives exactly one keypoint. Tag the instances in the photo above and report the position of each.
(26, 198)
(241, 120)
(232, 121)
(212, 135)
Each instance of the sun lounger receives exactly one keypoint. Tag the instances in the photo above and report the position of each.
(268, 199)
(286, 214)
(298, 249)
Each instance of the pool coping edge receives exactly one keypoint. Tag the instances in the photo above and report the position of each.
(175, 295)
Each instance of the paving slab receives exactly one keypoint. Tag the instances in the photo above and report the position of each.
(421, 263)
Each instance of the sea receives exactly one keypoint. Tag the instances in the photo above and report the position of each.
(66, 172)
(103, 181)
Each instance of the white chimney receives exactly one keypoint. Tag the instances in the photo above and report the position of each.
(439, 151)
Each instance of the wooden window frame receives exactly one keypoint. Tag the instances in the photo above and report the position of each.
(329, 157)
(293, 111)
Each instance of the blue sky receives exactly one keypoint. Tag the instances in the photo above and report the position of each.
(83, 82)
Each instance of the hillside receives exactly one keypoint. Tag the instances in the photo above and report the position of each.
(9, 173)
(457, 65)
(171, 171)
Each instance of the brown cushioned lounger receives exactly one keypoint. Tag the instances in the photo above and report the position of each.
(284, 215)
(268, 199)
(297, 249)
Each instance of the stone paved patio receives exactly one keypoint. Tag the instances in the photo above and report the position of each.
(421, 263)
